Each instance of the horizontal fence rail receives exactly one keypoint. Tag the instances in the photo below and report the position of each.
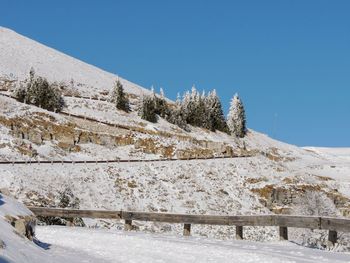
(121, 160)
(332, 224)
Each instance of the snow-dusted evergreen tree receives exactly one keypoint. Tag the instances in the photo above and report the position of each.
(119, 98)
(216, 118)
(20, 92)
(204, 111)
(161, 93)
(147, 109)
(161, 106)
(202, 114)
(190, 107)
(38, 91)
(176, 115)
(236, 119)
(178, 100)
(185, 104)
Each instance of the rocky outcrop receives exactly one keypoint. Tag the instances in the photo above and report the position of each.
(40, 127)
(24, 225)
(280, 199)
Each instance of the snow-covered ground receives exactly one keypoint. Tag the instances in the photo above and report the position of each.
(19, 53)
(77, 244)
(13, 247)
(341, 152)
(118, 246)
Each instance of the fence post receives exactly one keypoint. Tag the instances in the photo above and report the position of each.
(283, 233)
(239, 232)
(128, 225)
(187, 230)
(332, 236)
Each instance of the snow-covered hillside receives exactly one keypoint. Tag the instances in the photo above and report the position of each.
(272, 177)
(18, 54)
(336, 153)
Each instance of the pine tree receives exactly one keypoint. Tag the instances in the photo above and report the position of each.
(185, 105)
(39, 92)
(147, 109)
(119, 98)
(44, 95)
(202, 118)
(215, 113)
(20, 93)
(190, 107)
(178, 100)
(31, 74)
(161, 92)
(236, 119)
(176, 117)
(161, 106)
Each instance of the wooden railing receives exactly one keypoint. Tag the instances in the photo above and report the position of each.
(30, 161)
(332, 224)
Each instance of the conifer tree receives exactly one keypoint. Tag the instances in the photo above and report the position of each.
(190, 107)
(215, 113)
(161, 106)
(31, 74)
(177, 113)
(147, 109)
(178, 100)
(236, 119)
(39, 92)
(176, 117)
(185, 105)
(119, 97)
(202, 117)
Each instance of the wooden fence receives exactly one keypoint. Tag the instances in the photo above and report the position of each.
(120, 160)
(332, 224)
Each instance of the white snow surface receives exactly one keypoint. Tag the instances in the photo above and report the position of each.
(76, 244)
(10, 206)
(18, 54)
(118, 246)
(18, 249)
(340, 152)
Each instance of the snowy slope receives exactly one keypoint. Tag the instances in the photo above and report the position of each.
(118, 246)
(14, 248)
(17, 249)
(18, 54)
(336, 153)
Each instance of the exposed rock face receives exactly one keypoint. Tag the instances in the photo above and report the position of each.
(281, 199)
(68, 136)
(24, 225)
(2, 244)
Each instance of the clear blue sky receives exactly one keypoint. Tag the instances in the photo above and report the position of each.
(288, 60)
